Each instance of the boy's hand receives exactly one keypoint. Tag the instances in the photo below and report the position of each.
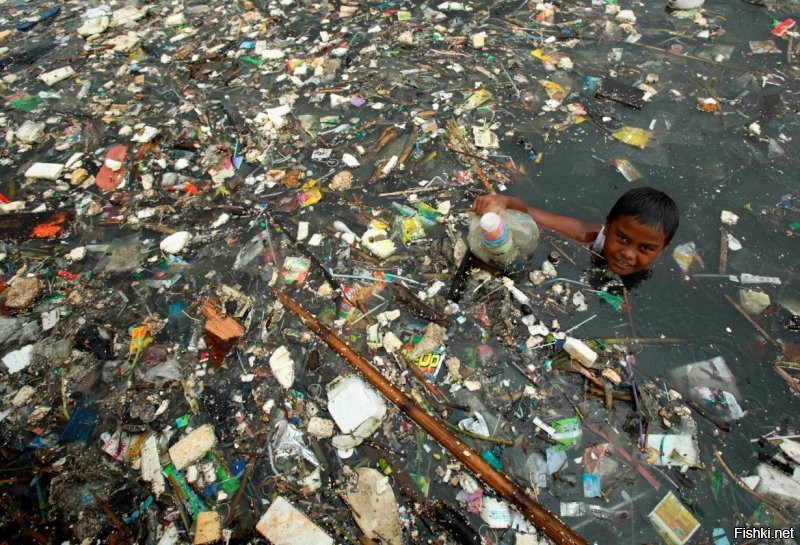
(490, 203)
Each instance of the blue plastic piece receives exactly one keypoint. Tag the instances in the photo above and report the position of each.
(80, 427)
(46, 15)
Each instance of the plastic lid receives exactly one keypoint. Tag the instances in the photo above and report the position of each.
(490, 221)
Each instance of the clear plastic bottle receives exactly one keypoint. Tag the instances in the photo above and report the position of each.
(505, 240)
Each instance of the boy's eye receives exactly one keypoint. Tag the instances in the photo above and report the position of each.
(646, 249)
(621, 237)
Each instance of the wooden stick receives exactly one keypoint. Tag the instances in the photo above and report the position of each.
(699, 59)
(642, 340)
(243, 484)
(608, 397)
(737, 480)
(723, 250)
(465, 154)
(498, 482)
(629, 309)
(410, 191)
(451, 126)
(792, 382)
(702, 411)
(109, 513)
(588, 374)
(562, 252)
(760, 329)
(616, 394)
(417, 373)
(633, 462)
(480, 437)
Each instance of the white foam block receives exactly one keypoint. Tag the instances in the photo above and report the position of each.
(193, 446)
(151, 466)
(18, 360)
(59, 74)
(283, 524)
(45, 171)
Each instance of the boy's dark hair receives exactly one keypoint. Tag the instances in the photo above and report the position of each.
(650, 207)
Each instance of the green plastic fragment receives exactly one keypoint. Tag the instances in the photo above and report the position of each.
(492, 460)
(26, 104)
(716, 481)
(251, 60)
(184, 491)
(762, 516)
(568, 433)
(227, 481)
(614, 300)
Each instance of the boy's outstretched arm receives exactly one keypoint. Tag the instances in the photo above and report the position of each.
(577, 230)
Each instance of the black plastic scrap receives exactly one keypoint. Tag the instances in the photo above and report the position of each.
(623, 93)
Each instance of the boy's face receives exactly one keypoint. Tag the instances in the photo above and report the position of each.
(631, 246)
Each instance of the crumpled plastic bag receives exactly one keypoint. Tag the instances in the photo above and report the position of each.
(686, 255)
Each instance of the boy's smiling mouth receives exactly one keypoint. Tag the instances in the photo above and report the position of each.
(620, 265)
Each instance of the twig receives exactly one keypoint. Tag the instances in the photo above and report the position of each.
(409, 191)
(588, 374)
(629, 310)
(718, 422)
(559, 250)
(109, 513)
(420, 376)
(451, 126)
(511, 81)
(478, 436)
(243, 484)
(495, 163)
(737, 480)
(698, 59)
(723, 250)
(792, 382)
(760, 329)
(365, 314)
(641, 340)
(586, 321)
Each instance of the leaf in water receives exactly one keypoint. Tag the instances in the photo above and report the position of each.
(422, 482)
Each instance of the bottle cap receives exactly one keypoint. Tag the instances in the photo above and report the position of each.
(490, 221)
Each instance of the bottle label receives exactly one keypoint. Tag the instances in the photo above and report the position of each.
(497, 240)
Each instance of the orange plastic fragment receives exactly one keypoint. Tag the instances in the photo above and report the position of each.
(49, 228)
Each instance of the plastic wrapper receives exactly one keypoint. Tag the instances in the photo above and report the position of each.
(287, 442)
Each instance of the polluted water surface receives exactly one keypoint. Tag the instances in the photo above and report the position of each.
(244, 297)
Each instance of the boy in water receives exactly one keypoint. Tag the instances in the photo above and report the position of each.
(638, 228)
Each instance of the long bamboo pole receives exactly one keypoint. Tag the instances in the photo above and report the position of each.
(533, 511)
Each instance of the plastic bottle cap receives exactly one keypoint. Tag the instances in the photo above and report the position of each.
(490, 221)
